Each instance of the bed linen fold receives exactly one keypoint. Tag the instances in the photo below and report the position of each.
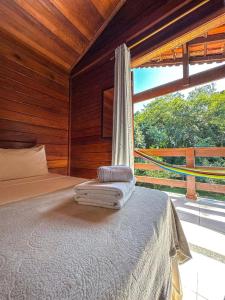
(103, 202)
(30, 187)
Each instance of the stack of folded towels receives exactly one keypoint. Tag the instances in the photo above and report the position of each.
(111, 189)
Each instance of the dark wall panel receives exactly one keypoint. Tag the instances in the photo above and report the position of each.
(88, 149)
(34, 104)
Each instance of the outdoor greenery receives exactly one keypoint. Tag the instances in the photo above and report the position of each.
(175, 120)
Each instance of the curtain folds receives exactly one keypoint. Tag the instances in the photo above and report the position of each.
(122, 140)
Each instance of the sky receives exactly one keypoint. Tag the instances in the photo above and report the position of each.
(147, 78)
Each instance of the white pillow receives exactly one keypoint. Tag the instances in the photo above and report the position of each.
(21, 163)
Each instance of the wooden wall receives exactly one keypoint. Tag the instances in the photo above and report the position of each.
(34, 103)
(88, 149)
(94, 72)
(107, 113)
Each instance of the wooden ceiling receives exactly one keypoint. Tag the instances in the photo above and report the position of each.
(209, 47)
(60, 30)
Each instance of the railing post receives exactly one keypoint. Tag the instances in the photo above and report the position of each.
(191, 184)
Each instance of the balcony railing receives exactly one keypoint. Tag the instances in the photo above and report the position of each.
(190, 184)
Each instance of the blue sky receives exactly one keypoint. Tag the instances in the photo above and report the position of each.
(146, 78)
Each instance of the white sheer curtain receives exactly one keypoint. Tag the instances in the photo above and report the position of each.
(122, 141)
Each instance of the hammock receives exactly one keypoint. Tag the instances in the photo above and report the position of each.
(197, 172)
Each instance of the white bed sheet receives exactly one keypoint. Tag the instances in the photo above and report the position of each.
(53, 248)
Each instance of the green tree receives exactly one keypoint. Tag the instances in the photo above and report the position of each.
(174, 121)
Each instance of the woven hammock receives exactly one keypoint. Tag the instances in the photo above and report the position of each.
(197, 172)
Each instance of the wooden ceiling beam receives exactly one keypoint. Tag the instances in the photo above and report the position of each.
(99, 31)
(60, 31)
(76, 13)
(50, 17)
(104, 47)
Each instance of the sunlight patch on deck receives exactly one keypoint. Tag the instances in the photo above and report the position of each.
(204, 206)
(204, 237)
(201, 214)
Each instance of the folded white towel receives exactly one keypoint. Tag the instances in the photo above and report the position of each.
(110, 195)
(115, 174)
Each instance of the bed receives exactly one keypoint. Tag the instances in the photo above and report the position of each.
(53, 248)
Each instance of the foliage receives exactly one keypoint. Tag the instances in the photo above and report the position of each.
(174, 121)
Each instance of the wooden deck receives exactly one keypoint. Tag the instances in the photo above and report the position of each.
(203, 224)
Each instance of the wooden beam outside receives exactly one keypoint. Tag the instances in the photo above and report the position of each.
(217, 188)
(191, 185)
(162, 181)
(194, 30)
(174, 152)
(194, 80)
(210, 187)
(192, 61)
(185, 63)
(220, 37)
(160, 91)
(210, 152)
(151, 167)
(147, 167)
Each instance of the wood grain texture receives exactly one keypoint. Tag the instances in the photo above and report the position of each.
(206, 48)
(137, 19)
(60, 31)
(88, 149)
(94, 73)
(107, 115)
(131, 20)
(34, 104)
(188, 28)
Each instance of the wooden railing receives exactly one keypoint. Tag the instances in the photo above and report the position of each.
(190, 184)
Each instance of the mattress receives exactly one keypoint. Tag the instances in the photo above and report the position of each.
(53, 248)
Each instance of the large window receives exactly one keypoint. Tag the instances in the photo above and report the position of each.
(148, 78)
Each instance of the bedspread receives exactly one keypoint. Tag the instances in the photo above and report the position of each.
(53, 248)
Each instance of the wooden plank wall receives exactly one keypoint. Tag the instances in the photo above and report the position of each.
(94, 72)
(34, 103)
(88, 149)
(107, 113)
